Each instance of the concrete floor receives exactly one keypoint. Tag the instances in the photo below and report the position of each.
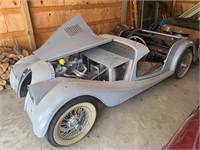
(146, 121)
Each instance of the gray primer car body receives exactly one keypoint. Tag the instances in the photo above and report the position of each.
(47, 93)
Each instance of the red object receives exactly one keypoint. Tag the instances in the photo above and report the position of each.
(188, 135)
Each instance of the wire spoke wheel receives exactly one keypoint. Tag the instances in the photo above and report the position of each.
(184, 64)
(72, 122)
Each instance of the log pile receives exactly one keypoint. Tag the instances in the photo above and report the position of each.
(9, 55)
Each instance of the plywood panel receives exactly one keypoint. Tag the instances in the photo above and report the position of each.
(9, 3)
(41, 3)
(185, 4)
(48, 19)
(185, 7)
(82, 2)
(14, 22)
(3, 27)
(6, 41)
(104, 28)
(12, 34)
(41, 38)
(23, 42)
(86, 14)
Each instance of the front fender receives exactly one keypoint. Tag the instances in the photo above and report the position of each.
(42, 108)
(18, 68)
(34, 73)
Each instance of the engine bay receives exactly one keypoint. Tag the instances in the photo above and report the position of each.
(71, 66)
(78, 66)
(99, 63)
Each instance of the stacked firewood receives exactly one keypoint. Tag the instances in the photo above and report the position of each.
(9, 55)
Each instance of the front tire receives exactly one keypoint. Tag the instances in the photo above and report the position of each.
(184, 64)
(72, 122)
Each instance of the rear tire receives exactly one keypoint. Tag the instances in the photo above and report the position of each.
(184, 64)
(72, 122)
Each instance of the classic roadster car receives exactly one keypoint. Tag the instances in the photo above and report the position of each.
(74, 69)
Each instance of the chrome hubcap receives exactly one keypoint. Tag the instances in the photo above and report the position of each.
(74, 123)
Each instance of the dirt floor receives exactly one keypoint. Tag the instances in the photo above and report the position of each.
(146, 121)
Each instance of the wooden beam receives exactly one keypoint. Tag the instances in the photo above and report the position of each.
(12, 34)
(52, 29)
(187, 2)
(10, 11)
(28, 24)
(124, 5)
(103, 21)
(135, 13)
(72, 7)
(45, 30)
(131, 12)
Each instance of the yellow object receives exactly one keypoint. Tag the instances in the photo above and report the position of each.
(62, 61)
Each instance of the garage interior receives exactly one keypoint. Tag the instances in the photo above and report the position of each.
(147, 120)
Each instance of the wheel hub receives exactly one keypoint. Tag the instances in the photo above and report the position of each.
(74, 123)
(185, 64)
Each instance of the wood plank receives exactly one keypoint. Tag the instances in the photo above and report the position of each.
(124, 6)
(187, 2)
(5, 41)
(10, 11)
(41, 38)
(103, 28)
(52, 29)
(131, 13)
(73, 7)
(23, 41)
(103, 21)
(28, 24)
(38, 3)
(12, 34)
(14, 22)
(135, 13)
(10, 3)
(48, 19)
(3, 27)
(44, 30)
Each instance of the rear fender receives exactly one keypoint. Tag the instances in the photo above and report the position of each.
(176, 54)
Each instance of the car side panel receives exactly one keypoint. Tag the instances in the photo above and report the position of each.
(110, 93)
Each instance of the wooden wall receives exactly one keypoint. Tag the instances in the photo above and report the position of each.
(48, 15)
(12, 23)
(180, 6)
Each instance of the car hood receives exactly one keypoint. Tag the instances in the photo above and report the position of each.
(72, 37)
